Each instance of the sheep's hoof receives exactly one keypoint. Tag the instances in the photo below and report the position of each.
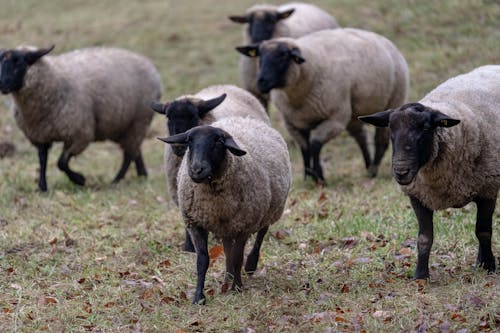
(78, 179)
(199, 300)
(372, 171)
(489, 266)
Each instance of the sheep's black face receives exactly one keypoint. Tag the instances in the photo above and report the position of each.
(13, 68)
(181, 116)
(412, 132)
(261, 23)
(207, 151)
(275, 60)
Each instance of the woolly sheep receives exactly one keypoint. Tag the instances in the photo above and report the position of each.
(205, 107)
(263, 22)
(446, 153)
(79, 97)
(231, 194)
(321, 82)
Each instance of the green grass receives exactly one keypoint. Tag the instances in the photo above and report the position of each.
(336, 261)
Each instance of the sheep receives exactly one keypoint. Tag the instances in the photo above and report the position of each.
(233, 181)
(78, 97)
(446, 153)
(321, 82)
(263, 22)
(185, 112)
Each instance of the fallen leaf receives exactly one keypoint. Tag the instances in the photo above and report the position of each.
(281, 234)
(345, 288)
(322, 197)
(109, 304)
(349, 242)
(6, 310)
(216, 251)
(47, 300)
(68, 241)
(458, 317)
(405, 251)
(53, 240)
(180, 331)
(164, 264)
(384, 315)
(87, 308)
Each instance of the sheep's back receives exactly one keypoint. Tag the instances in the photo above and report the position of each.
(118, 84)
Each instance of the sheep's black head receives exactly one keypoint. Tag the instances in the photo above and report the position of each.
(207, 151)
(275, 58)
(14, 65)
(261, 23)
(184, 114)
(412, 133)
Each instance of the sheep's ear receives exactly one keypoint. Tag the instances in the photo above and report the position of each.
(181, 138)
(439, 119)
(285, 14)
(297, 56)
(32, 56)
(239, 19)
(251, 51)
(159, 107)
(379, 119)
(205, 106)
(233, 147)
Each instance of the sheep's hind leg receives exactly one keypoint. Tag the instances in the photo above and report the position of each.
(188, 243)
(253, 256)
(139, 166)
(43, 152)
(127, 159)
(485, 209)
(425, 237)
(63, 165)
(200, 240)
(317, 169)
(382, 136)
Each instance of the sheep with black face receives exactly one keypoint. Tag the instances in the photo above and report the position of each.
(80, 97)
(263, 22)
(233, 181)
(446, 153)
(203, 108)
(323, 81)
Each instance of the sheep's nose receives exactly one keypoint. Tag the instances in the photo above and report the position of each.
(198, 170)
(401, 172)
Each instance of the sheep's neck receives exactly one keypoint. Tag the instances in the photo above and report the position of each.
(42, 91)
(298, 92)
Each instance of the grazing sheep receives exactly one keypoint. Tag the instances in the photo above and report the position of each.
(79, 97)
(264, 22)
(233, 181)
(323, 81)
(203, 108)
(446, 153)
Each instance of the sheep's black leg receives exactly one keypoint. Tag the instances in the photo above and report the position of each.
(139, 166)
(356, 130)
(253, 256)
(123, 169)
(485, 209)
(200, 239)
(43, 152)
(63, 165)
(318, 171)
(382, 136)
(237, 253)
(228, 244)
(425, 237)
(306, 154)
(188, 243)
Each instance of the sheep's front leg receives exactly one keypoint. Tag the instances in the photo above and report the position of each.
(301, 137)
(485, 209)
(357, 131)
(253, 256)
(43, 152)
(324, 132)
(63, 165)
(382, 137)
(200, 240)
(234, 250)
(425, 237)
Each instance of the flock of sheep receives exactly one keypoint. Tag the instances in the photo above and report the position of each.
(227, 169)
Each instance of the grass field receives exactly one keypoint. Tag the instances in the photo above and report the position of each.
(108, 258)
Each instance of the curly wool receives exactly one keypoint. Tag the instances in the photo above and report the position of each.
(238, 103)
(465, 159)
(88, 95)
(250, 191)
